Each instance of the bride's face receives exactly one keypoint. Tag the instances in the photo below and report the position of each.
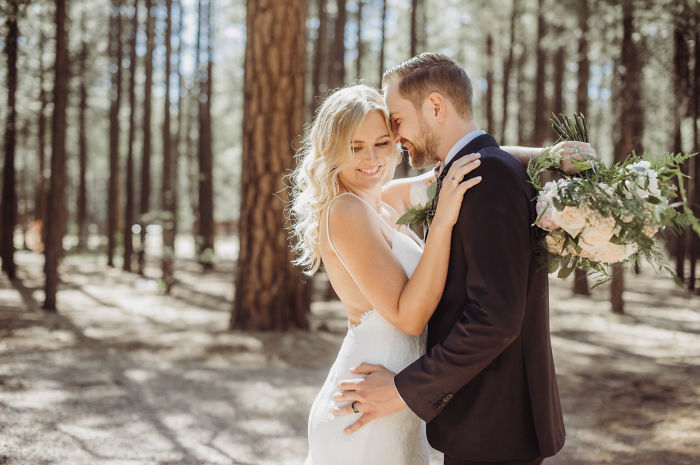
(373, 155)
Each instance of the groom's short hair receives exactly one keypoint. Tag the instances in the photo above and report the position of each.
(433, 72)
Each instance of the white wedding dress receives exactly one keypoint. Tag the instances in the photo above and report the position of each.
(397, 439)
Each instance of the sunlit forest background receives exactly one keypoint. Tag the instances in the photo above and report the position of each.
(146, 145)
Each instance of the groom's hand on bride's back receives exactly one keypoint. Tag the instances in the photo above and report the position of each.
(374, 396)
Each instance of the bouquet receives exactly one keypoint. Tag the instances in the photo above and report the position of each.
(606, 215)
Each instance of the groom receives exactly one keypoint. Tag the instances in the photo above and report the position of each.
(486, 386)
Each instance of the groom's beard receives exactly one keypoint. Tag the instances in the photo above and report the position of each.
(424, 153)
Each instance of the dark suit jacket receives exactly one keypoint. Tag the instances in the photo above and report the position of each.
(486, 385)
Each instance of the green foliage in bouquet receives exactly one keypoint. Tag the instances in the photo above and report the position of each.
(631, 201)
(422, 215)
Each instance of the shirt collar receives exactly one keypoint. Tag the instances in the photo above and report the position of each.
(461, 144)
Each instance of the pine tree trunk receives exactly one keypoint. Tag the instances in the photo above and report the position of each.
(167, 181)
(81, 210)
(681, 59)
(145, 203)
(270, 293)
(319, 55)
(524, 133)
(631, 120)
(558, 78)
(336, 73)
(382, 45)
(695, 249)
(360, 45)
(414, 28)
(206, 185)
(489, 85)
(129, 219)
(540, 76)
(580, 280)
(56, 198)
(177, 141)
(41, 193)
(115, 51)
(507, 67)
(8, 203)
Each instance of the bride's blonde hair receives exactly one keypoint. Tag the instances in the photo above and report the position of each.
(325, 151)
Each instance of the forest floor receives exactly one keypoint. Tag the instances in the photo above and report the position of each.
(124, 375)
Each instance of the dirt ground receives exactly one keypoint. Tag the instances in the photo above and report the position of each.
(124, 375)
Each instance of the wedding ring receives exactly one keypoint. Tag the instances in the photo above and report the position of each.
(353, 407)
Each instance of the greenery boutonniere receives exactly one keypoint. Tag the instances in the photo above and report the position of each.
(423, 215)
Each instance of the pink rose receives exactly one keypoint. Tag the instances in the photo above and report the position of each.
(570, 219)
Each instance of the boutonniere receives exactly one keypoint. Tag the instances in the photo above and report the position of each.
(423, 215)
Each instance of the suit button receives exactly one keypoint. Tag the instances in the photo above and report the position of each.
(447, 398)
(437, 405)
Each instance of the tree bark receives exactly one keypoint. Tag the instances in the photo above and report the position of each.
(205, 154)
(145, 203)
(56, 198)
(558, 78)
(115, 51)
(319, 54)
(336, 73)
(129, 219)
(631, 120)
(167, 181)
(583, 75)
(8, 202)
(360, 45)
(270, 292)
(414, 28)
(695, 249)
(524, 133)
(507, 67)
(41, 185)
(540, 98)
(489, 84)
(382, 45)
(82, 219)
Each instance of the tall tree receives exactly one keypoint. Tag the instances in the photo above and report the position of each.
(56, 198)
(145, 203)
(319, 54)
(540, 104)
(129, 212)
(558, 75)
(336, 74)
(489, 84)
(8, 204)
(524, 136)
(416, 36)
(695, 242)
(115, 54)
(382, 45)
(81, 209)
(360, 45)
(630, 121)
(270, 292)
(507, 67)
(41, 186)
(583, 75)
(681, 73)
(205, 239)
(177, 142)
(167, 184)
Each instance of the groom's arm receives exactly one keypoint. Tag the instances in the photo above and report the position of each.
(493, 228)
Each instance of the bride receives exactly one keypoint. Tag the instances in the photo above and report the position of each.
(344, 211)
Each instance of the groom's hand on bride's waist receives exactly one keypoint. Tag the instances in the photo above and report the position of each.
(372, 397)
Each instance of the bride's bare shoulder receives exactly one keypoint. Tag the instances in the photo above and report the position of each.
(350, 219)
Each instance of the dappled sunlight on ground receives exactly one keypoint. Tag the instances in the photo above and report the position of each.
(123, 375)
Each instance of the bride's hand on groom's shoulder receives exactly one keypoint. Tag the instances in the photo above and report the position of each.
(371, 397)
(568, 149)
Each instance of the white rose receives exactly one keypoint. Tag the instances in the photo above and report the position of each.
(544, 205)
(599, 229)
(606, 253)
(570, 219)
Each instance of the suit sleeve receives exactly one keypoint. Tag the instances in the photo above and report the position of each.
(493, 231)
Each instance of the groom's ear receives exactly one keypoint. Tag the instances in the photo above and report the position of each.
(437, 106)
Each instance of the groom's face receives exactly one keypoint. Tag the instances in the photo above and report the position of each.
(411, 129)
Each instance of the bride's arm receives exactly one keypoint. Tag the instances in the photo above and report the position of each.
(397, 192)
(405, 303)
